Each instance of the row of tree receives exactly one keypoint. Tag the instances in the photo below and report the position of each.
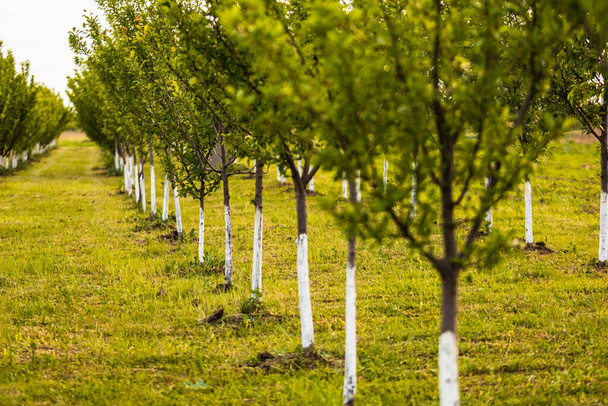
(455, 94)
(31, 115)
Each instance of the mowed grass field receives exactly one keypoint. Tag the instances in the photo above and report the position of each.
(83, 318)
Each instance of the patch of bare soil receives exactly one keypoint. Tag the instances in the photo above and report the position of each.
(219, 316)
(292, 361)
(539, 247)
(171, 236)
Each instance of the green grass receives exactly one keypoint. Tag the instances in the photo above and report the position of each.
(81, 320)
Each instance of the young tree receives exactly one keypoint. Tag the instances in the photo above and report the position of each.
(581, 88)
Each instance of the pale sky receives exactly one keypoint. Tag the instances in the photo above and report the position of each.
(37, 30)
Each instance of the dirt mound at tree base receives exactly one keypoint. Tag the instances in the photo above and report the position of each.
(539, 247)
(292, 361)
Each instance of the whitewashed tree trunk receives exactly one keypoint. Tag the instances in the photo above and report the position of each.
(603, 251)
(125, 174)
(350, 342)
(228, 249)
(128, 172)
(344, 187)
(15, 160)
(307, 328)
(528, 212)
(136, 178)
(311, 183)
(178, 213)
(300, 167)
(152, 191)
(24, 155)
(385, 174)
(278, 174)
(448, 370)
(152, 183)
(414, 184)
(489, 212)
(201, 230)
(358, 185)
(116, 162)
(258, 231)
(142, 187)
(166, 200)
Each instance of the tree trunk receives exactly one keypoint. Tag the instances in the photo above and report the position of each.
(166, 199)
(128, 170)
(350, 345)
(311, 183)
(278, 173)
(603, 251)
(125, 174)
(306, 323)
(258, 231)
(227, 215)
(344, 186)
(135, 176)
(528, 213)
(201, 224)
(142, 183)
(489, 212)
(413, 198)
(178, 212)
(116, 163)
(448, 348)
(152, 183)
(358, 185)
(385, 174)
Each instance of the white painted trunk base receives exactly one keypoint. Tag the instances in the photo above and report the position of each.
(311, 184)
(307, 329)
(258, 231)
(178, 212)
(350, 345)
(129, 175)
(228, 232)
(125, 175)
(166, 200)
(489, 212)
(413, 198)
(142, 188)
(116, 163)
(152, 191)
(201, 236)
(278, 174)
(603, 252)
(344, 186)
(136, 181)
(528, 210)
(385, 174)
(448, 370)
(358, 185)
